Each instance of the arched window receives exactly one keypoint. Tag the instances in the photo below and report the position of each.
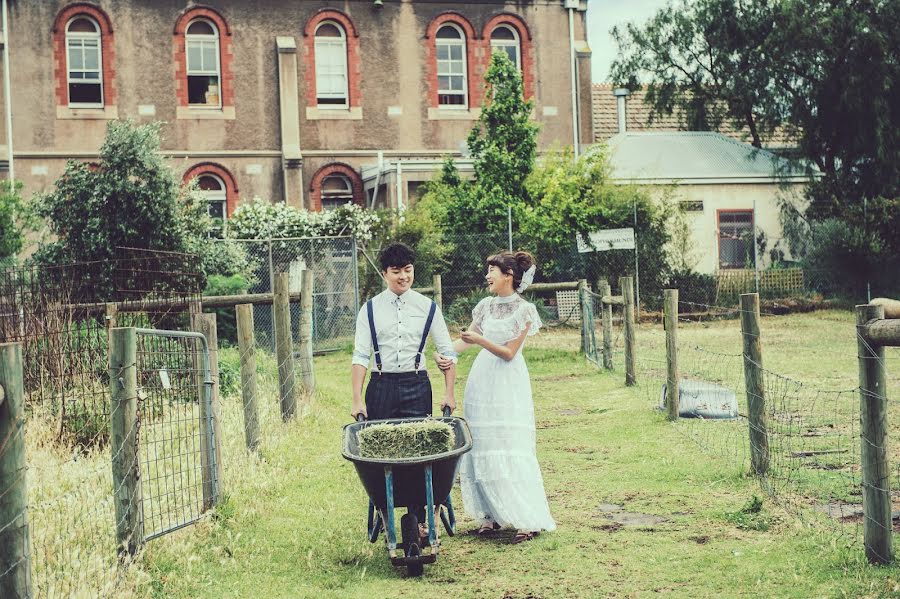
(450, 42)
(84, 62)
(203, 66)
(216, 195)
(505, 39)
(331, 66)
(336, 191)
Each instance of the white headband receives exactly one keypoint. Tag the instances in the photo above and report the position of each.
(527, 278)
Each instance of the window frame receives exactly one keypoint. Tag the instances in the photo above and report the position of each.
(516, 42)
(223, 200)
(80, 35)
(187, 61)
(346, 59)
(719, 237)
(463, 43)
(346, 197)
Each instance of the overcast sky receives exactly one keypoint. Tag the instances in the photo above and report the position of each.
(602, 15)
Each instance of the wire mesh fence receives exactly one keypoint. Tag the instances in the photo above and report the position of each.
(812, 406)
(177, 444)
(333, 261)
(61, 316)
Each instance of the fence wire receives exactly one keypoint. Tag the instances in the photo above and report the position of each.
(813, 413)
(60, 317)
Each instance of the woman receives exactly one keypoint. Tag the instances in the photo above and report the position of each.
(500, 478)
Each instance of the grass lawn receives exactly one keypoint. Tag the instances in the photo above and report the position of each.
(293, 524)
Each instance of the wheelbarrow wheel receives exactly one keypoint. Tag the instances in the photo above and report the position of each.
(409, 529)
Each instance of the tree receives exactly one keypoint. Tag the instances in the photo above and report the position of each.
(130, 197)
(10, 231)
(825, 71)
(503, 145)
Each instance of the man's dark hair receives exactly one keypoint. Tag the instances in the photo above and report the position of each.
(396, 255)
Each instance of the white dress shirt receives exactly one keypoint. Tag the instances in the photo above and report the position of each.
(399, 323)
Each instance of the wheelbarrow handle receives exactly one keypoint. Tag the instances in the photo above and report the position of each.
(360, 418)
(447, 411)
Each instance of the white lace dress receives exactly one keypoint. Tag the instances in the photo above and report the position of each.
(500, 477)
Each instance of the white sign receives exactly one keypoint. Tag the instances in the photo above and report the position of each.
(609, 239)
(164, 379)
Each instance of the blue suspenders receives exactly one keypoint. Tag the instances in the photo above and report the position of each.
(375, 348)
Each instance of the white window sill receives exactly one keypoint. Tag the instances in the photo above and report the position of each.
(453, 114)
(226, 113)
(314, 113)
(107, 113)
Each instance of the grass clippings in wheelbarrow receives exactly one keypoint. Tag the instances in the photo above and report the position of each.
(406, 440)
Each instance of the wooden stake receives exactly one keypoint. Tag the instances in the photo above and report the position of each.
(606, 291)
(627, 284)
(877, 525)
(247, 349)
(305, 346)
(671, 326)
(438, 292)
(754, 383)
(284, 347)
(124, 441)
(15, 558)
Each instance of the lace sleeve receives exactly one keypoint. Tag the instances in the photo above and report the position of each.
(478, 315)
(526, 314)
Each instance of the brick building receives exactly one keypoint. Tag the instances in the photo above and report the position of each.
(312, 103)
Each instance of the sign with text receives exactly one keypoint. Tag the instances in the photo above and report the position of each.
(608, 239)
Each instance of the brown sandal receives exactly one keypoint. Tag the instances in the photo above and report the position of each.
(486, 529)
(521, 537)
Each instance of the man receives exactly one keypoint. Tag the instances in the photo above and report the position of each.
(392, 328)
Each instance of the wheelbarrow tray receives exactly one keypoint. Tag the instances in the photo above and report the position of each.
(408, 473)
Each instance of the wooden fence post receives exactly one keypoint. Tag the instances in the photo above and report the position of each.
(627, 284)
(284, 347)
(754, 383)
(247, 350)
(15, 558)
(111, 315)
(584, 308)
(671, 326)
(305, 346)
(210, 415)
(606, 291)
(877, 526)
(438, 292)
(124, 441)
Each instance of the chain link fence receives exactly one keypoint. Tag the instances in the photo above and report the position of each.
(333, 260)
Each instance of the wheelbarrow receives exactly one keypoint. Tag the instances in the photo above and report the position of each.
(410, 483)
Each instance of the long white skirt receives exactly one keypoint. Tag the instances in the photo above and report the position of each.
(500, 478)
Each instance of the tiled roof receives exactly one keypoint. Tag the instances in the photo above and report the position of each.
(694, 156)
(638, 118)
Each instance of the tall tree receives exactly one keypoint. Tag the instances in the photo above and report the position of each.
(825, 70)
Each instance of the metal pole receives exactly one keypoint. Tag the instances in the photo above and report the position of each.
(7, 96)
(637, 275)
(755, 251)
(509, 225)
(574, 83)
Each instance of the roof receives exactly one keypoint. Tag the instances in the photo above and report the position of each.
(639, 116)
(696, 157)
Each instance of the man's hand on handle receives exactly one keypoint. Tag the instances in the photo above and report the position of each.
(449, 402)
(357, 410)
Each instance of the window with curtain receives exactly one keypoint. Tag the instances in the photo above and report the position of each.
(331, 66)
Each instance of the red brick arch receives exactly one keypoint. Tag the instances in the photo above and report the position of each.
(339, 168)
(225, 52)
(354, 73)
(525, 46)
(474, 74)
(107, 48)
(211, 168)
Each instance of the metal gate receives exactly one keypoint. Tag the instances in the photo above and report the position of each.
(176, 433)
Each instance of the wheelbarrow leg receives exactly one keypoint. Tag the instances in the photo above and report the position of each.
(429, 508)
(389, 532)
(375, 523)
(449, 518)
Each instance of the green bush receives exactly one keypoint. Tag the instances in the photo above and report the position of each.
(460, 311)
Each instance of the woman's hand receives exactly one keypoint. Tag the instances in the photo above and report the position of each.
(442, 361)
(472, 337)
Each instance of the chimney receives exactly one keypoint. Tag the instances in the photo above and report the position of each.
(621, 93)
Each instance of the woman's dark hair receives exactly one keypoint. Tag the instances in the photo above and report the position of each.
(396, 255)
(512, 263)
